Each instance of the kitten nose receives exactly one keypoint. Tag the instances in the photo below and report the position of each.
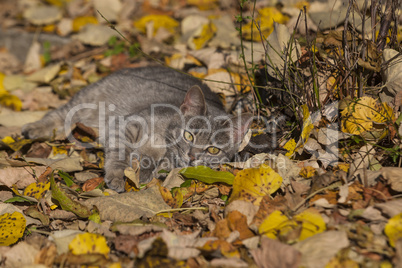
(192, 157)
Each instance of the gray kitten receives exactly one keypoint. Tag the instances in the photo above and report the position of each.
(160, 117)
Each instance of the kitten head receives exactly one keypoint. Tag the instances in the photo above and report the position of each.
(200, 138)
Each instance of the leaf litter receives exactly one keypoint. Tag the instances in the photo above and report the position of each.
(329, 196)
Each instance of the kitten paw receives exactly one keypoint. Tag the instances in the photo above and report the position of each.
(36, 130)
(115, 180)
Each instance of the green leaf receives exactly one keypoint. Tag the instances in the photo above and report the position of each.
(207, 175)
(66, 177)
(66, 202)
(163, 171)
(186, 183)
(18, 199)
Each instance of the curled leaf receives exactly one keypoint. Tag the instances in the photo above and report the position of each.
(66, 202)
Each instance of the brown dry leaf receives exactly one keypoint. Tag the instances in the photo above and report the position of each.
(238, 222)
(167, 196)
(318, 250)
(222, 230)
(127, 207)
(393, 175)
(92, 184)
(19, 176)
(22, 254)
(330, 196)
(273, 253)
(246, 208)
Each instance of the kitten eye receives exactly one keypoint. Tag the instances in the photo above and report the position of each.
(213, 150)
(188, 136)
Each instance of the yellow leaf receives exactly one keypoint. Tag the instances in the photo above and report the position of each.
(15, 145)
(307, 172)
(12, 228)
(276, 224)
(159, 21)
(58, 3)
(37, 190)
(367, 117)
(253, 184)
(342, 166)
(8, 140)
(2, 89)
(101, 159)
(393, 229)
(272, 224)
(49, 28)
(59, 150)
(312, 223)
(203, 36)
(307, 124)
(290, 146)
(302, 4)
(306, 130)
(10, 101)
(204, 4)
(265, 22)
(88, 243)
(80, 22)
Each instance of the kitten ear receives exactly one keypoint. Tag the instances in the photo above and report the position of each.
(194, 102)
(241, 124)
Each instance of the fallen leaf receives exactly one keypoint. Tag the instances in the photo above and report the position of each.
(254, 183)
(281, 48)
(273, 253)
(207, 175)
(41, 15)
(10, 101)
(10, 119)
(19, 176)
(393, 229)
(46, 74)
(110, 9)
(263, 24)
(246, 208)
(204, 4)
(393, 175)
(12, 227)
(20, 255)
(391, 73)
(158, 21)
(367, 118)
(201, 36)
(319, 249)
(37, 190)
(88, 243)
(306, 224)
(224, 247)
(80, 22)
(66, 202)
(127, 207)
(95, 35)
